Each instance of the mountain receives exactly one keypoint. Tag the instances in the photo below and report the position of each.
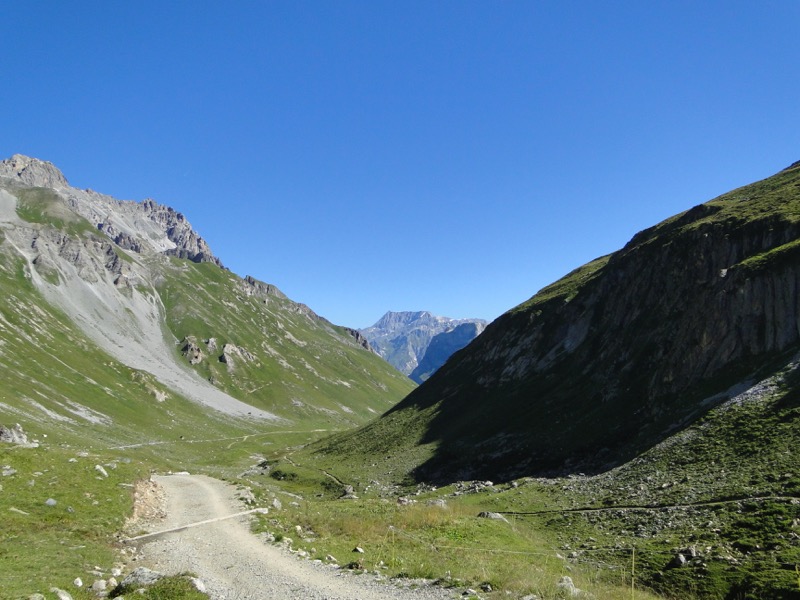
(403, 339)
(443, 345)
(119, 320)
(644, 407)
(617, 356)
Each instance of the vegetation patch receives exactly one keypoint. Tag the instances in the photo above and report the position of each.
(44, 206)
(61, 514)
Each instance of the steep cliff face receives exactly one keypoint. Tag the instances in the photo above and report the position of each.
(33, 172)
(144, 226)
(442, 346)
(623, 351)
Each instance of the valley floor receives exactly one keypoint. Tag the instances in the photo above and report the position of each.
(234, 563)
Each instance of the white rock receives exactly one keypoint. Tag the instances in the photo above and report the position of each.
(78, 582)
(61, 594)
(565, 583)
(198, 584)
(101, 470)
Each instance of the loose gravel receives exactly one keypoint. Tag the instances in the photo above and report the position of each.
(234, 564)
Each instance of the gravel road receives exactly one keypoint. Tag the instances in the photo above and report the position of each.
(235, 565)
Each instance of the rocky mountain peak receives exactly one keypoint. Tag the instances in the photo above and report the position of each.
(33, 172)
(402, 338)
(393, 321)
(145, 226)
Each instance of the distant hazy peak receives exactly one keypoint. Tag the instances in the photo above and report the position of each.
(33, 172)
(402, 338)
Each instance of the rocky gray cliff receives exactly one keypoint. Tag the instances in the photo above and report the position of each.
(402, 338)
(135, 226)
(33, 172)
(624, 351)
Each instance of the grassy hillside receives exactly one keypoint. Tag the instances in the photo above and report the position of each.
(295, 364)
(86, 408)
(622, 410)
(615, 357)
(710, 513)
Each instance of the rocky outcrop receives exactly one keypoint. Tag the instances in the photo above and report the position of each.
(191, 350)
(15, 435)
(253, 287)
(93, 257)
(360, 339)
(32, 172)
(188, 244)
(134, 226)
(231, 354)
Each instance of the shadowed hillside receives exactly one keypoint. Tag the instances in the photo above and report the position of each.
(616, 356)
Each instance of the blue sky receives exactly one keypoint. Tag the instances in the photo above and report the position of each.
(371, 156)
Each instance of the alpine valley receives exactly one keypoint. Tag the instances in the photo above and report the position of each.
(631, 431)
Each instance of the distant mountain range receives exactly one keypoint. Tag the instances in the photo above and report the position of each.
(418, 343)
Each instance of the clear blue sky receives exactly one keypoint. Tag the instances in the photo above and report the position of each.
(371, 156)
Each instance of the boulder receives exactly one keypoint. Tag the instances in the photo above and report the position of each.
(15, 435)
(568, 587)
(679, 561)
(198, 584)
(492, 515)
(191, 350)
(349, 493)
(140, 577)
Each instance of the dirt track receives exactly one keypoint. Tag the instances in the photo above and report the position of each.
(236, 565)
